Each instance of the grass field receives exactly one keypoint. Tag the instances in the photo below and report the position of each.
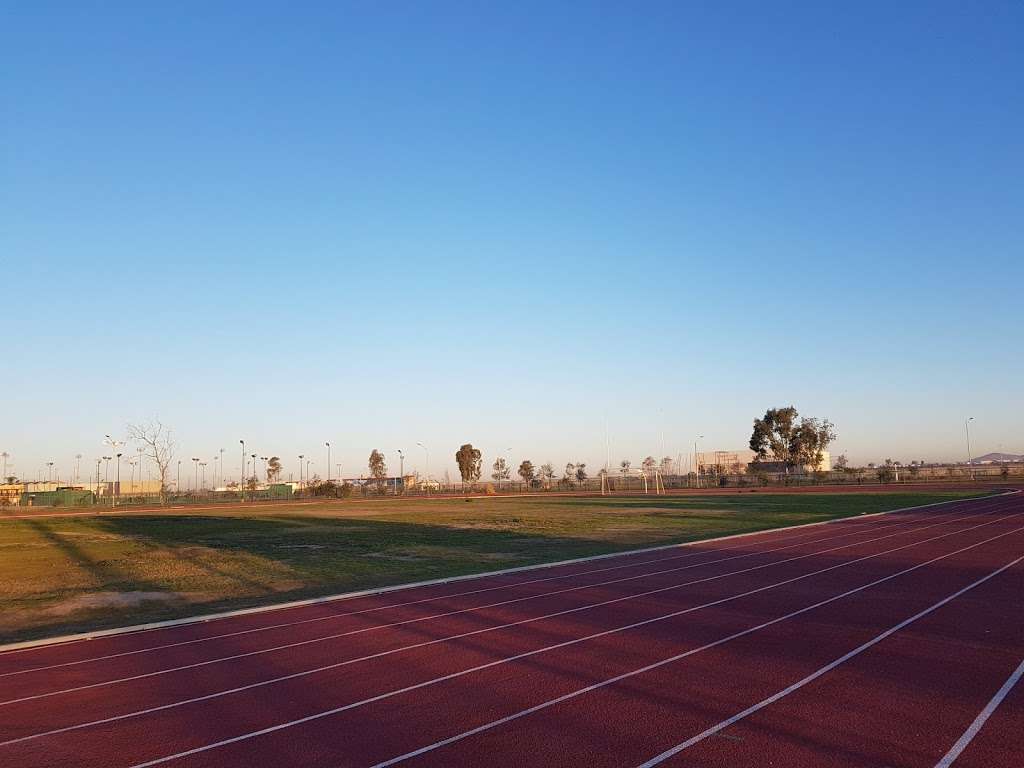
(61, 575)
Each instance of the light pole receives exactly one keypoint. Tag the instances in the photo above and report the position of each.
(302, 458)
(98, 462)
(221, 465)
(696, 460)
(118, 478)
(401, 468)
(254, 478)
(78, 467)
(195, 465)
(967, 431)
(203, 465)
(177, 485)
(308, 462)
(242, 488)
(49, 471)
(328, 461)
(6, 456)
(427, 472)
(507, 468)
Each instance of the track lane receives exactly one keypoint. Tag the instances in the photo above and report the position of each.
(627, 722)
(904, 701)
(298, 693)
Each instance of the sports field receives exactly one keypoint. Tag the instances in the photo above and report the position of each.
(889, 640)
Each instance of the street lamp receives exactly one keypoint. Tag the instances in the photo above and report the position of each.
(401, 468)
(302, 456)
(195, 465)
(328, 461)
(970, 459)
(242, 489)
(49, 471)
(203, 465)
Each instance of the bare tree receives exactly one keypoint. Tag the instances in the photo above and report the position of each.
(547, 474)
(157, 443)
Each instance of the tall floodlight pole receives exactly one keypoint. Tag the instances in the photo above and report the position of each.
(98, 462)
(970, 459)
(696, 460)
(78, 467)
(6, 456)
(308, 462)
(302, 458)
(195, 466)
(116, 495)
(328, 461)
(203, 484)
(401, 467)
(243, 469)
(49, 471)
(254, 478)
(221, 466)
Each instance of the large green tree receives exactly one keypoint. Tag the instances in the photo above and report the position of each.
(782, 438)
(468, 458)
(527, 472)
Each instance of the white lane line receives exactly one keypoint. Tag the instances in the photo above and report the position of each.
(680, 656)
(284, 625)
(34, 645)
(431, 617)
(822, 671)
(968, 736)
(488, 665)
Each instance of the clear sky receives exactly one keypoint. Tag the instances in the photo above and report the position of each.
(510, 223)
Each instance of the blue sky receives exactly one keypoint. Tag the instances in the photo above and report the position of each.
(383, 223)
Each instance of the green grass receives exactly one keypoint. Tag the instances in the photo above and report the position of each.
(62, 575)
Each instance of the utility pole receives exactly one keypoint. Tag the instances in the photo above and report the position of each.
(328, 461)
(401, 467)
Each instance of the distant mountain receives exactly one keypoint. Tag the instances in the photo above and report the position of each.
(997, 458)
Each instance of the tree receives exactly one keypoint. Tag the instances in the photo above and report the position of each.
(841, 462)
(547, 473)
(792, 443)
(501, 470)
(158, 445)
(527, 472)
(378, 470)
(581, 472)
(468, 458)
(648, 465)
(624, 466)
(273, 468)
(665, 466)
(569, 474)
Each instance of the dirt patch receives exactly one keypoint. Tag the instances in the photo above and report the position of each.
(116, 600)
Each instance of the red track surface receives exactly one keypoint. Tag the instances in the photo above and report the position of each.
(878, 641)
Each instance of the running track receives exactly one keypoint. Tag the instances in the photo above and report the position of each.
(892, 640)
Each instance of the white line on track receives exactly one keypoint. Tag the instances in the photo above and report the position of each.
(489, 664)
(950, 757)
(692, 652)
(36, 645)
(823, 670)
(319, 715)
(283, 625)
(376, 627)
